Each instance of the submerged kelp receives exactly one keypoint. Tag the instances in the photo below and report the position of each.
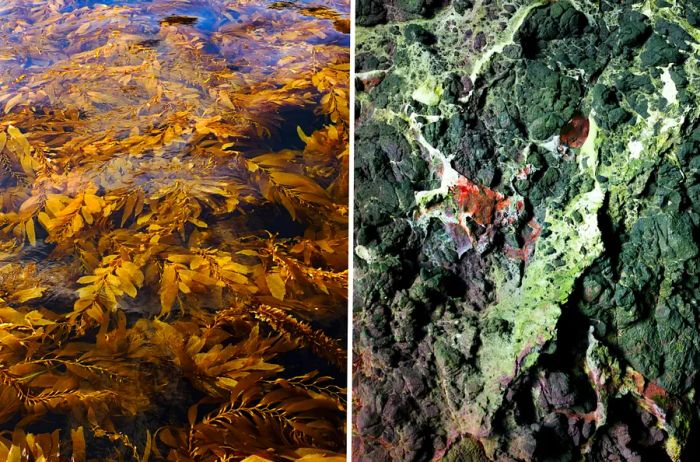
(527, 264)
(174, 213)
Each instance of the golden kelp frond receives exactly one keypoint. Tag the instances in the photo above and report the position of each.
(216, 363)
(18, 285)
(314, 384)
(19, 446)
(304, 455)
(173, 230)
(255, 410)
(303, 334)
(94, 379)
(303, 198)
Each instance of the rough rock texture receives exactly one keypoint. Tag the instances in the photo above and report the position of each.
(527, 224)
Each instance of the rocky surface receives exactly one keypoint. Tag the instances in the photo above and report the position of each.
(527, 222)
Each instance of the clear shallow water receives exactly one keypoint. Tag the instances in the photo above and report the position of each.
(169, 167)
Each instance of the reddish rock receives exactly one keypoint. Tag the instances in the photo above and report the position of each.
(575, 132)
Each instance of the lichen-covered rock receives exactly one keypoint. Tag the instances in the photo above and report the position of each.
(527, 221)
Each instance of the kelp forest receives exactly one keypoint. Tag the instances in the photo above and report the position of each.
(173, 230)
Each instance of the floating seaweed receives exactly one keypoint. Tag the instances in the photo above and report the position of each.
(173, 214)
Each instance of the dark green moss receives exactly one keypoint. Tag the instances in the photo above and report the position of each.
(675, 35)
(633, 30)
(370, 12)
(606, 104)
(462, 6)
(417, 7)
(417, 34)
(658, 52)
(555, 21)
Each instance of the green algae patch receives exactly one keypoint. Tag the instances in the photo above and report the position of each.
(428, 93)
(532, 310)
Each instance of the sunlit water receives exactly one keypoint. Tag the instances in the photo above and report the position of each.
(148, 118)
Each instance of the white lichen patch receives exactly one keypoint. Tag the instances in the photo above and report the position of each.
(669, 91)
(635, 147)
